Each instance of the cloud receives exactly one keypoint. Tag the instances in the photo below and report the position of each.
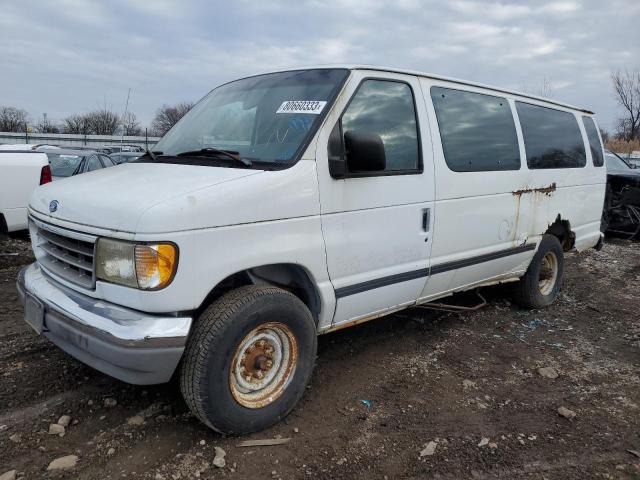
(73, 55)
(560, 7)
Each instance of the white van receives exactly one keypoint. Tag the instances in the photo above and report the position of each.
(301, 202)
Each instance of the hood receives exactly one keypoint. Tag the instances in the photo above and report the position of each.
(116, 198)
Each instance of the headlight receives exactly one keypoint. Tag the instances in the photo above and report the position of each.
(145, 266)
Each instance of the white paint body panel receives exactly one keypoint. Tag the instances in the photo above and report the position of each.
(19, 176)
(341, 232)
(373, 225)
(477, 213)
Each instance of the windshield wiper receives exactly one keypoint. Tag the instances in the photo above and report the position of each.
(214, 152)
(150, 154)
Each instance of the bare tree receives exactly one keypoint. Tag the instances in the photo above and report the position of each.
(77, 123)
(13, 119)
(103, 122)
(130, 124)
(44, 125)
(626, 86)
(167, 116)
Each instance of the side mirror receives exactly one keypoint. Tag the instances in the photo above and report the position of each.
(365, 152)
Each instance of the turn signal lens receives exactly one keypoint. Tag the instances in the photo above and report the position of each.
(155, 265)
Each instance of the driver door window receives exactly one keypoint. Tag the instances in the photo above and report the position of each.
(386, 109)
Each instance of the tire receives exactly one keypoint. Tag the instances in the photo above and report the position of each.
(534, 290)
(252, 320)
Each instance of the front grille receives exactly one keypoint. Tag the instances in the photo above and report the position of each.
(65, 253)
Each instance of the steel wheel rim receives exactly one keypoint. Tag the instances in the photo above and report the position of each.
(263, 365)
(548, 273)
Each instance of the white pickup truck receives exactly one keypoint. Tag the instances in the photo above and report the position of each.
(21, 171)
(298, 203)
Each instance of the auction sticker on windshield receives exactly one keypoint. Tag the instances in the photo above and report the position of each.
(302, 106)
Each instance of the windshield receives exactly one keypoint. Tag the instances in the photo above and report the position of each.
(63, 165)
(615, 163)
(268, 118)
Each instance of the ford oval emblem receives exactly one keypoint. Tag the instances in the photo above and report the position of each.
(53, 206)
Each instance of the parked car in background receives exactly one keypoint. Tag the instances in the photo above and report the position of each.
(66, 163)
(302, 202)
(124, 157)
(21, 171)
(621, 212)
(26, 147)
(618, 163)
(120, 148)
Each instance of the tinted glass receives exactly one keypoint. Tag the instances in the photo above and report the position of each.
(477, 131)
(93, 164)
(106, 161)
(386, 109)
(594, 141)
(266, 118)
(552, 138)
(63, 165)
(615, 163)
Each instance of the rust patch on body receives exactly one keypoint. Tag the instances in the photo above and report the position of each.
(545, 190)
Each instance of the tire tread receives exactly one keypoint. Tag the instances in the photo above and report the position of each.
(209, 331)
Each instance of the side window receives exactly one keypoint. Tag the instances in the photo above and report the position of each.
(594, 141)
(477, 131)
(93, 164)
(552, 137)
(106, 161)
(386, 109)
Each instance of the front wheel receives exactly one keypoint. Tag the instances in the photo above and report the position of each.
(540, 285)
(248, 359)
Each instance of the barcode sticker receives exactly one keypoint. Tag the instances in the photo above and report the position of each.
(313, 107)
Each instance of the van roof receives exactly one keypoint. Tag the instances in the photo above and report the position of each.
(441, 77)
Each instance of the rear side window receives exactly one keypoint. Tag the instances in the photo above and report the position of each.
(93, 164)
(106, 161)
(552, 137)
(386, 108)
(477, 131)
(594, 141)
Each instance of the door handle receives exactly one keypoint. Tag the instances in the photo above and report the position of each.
(425, 219)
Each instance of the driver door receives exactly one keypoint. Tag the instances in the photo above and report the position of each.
(377, 222)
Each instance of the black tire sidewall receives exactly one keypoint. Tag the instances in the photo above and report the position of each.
(223, 411)
(548, 244)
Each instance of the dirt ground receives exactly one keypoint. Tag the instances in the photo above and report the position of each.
(463, 389)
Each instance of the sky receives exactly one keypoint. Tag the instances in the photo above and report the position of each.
(73, 56)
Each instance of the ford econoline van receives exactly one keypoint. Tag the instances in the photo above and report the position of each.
(296, 203)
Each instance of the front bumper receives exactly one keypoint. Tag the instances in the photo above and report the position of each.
(132, 346)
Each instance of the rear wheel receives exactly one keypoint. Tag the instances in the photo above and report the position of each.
(540, 285)
(248, 359)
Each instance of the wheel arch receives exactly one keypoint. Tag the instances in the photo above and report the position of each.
(561, 229)
(289, 276)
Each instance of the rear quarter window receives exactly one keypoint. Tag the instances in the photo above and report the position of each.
(477, 131)
(552, 138)
(594, 141)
